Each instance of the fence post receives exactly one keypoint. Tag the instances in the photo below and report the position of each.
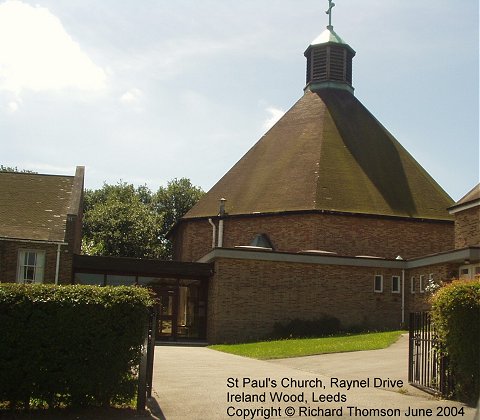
(411, 330)
(151, 350)
(142, 371)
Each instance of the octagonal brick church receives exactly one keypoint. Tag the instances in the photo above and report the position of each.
(327, 214)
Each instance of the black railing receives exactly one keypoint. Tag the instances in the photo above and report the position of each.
(145, 371)
(428, 367)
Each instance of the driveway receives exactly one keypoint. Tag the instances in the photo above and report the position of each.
(193, 383)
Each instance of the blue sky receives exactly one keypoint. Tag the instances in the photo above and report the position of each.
(147, 91)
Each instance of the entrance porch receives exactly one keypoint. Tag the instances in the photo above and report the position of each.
(181, 290)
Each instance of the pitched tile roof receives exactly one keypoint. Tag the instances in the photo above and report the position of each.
(472, 195)
(472, 198)
(33, 206)
(328, 152)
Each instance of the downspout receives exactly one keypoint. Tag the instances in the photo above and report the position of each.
(220, 222)
(220, 233)
(214, 232)
(57, 267)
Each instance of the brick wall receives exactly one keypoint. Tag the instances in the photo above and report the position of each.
(418, 300)
(247, 297)
(9, 261)
(467, 228)
(344, 234)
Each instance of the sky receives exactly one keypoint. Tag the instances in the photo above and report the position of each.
(145, 91)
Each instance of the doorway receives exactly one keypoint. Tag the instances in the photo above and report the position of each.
(182, 309)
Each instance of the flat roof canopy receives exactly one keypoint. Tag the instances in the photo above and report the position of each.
(137, 266)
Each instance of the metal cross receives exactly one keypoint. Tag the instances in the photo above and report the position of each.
(331, 5)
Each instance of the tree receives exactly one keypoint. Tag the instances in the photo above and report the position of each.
(15, 169)
(175, 200)
(121, 220)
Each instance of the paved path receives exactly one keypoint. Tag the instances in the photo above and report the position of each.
(391, 362)
(191, 383)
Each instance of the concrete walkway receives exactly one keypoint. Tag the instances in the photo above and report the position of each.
(193, 383)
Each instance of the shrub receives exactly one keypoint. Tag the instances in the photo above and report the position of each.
(304, 328)
(456, 314)
(70, 345)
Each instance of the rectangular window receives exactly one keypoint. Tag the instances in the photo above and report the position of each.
(421, 283)
(378, 284)
(395, 284)
(31, 266)
(115, 280)
(91, 279)
(412, 285)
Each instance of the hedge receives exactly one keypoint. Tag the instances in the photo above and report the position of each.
(456, 314)
(70, 345)
(306, 328)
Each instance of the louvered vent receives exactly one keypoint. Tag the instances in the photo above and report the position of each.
(337, 63)
(319, 71)
(349, 67)
(329, 63)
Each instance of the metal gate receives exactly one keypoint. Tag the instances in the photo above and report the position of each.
(427, 366)
(145, 370)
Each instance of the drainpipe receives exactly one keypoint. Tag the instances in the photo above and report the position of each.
(57, 268)
(220, 233)
(214, 232)
(220, 222)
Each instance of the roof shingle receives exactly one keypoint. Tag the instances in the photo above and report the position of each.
(33, 206)
(328, 152)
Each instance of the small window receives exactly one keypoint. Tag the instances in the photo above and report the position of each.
(378, 284)
(31, 266)
(90, 279)
(421, 283)
(115, 280)
(412, 285)
(395, 284)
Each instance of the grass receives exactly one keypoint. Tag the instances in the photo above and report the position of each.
(310, 346)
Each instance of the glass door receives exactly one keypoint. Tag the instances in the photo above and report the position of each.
(167, 314)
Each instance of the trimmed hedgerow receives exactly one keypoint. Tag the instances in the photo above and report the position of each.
(305, 328)
(70, 345)
(456, 314)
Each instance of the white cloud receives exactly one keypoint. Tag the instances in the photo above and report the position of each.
(12, 106)
(275, 115)
(132, 97)
(36, 53)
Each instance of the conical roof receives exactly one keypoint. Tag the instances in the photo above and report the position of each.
(327, 153)
(328, 35)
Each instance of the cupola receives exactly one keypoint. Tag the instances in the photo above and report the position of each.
(329, 60)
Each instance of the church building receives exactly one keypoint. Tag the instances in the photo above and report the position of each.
(326, 215)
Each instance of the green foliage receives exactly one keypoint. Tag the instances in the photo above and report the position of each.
(121, 220)
(456, 315)
(70, 345)
(174, 200)
(310, 346)
(15, 169)
(303, 328)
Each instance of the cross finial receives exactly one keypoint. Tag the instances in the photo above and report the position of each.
(331, 5)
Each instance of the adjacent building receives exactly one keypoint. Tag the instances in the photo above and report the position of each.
(40, 226)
